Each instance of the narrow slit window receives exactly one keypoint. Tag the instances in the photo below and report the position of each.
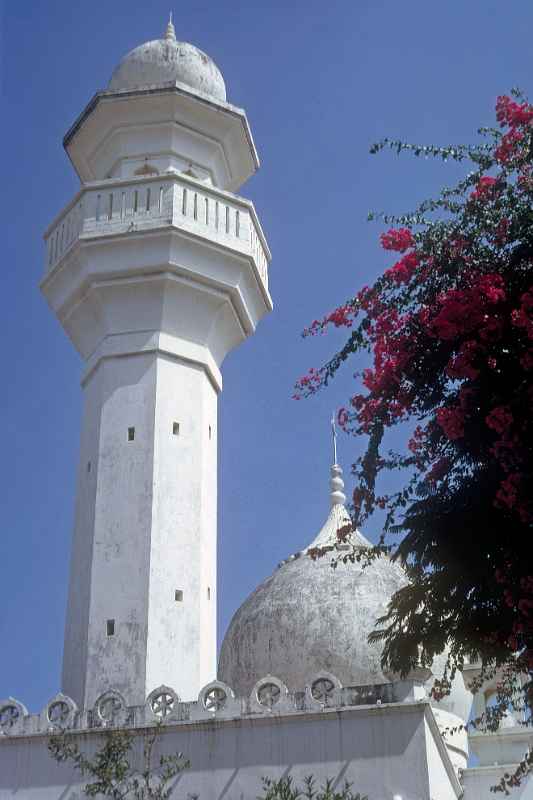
(97, 207)
(135, 201)
(175, 429)
(209, 593)
(210, 431)
(131, 434)
(178, 596)
(184, 203)
(123, 206)
(110, 627)
(227, 219)
(160, 207)
(216, 215)
(207, 211)
(237, 224)
(195, 213)
(110, 214)
(88, 466)
(148, 193)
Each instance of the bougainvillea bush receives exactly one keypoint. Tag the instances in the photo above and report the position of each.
(448, 329)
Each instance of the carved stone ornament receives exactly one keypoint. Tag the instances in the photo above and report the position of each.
(162, 702)
(60, 712)
(268, 694)
(110, 709)
(11, 715)
(322, 690)
(215, 699)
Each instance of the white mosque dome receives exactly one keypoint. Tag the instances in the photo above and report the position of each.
(308, 618)
(167, 60)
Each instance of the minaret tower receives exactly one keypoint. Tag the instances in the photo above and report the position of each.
(155, 270)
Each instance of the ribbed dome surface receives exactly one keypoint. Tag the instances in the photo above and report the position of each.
(308, 618)
(167, 60)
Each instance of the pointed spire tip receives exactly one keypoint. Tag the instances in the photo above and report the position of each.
(170, 32)
(334, 437)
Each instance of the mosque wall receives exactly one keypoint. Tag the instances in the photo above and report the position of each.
(478, 781)
(388, 752)
(438, 777)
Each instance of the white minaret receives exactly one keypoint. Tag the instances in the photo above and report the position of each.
(155, 270)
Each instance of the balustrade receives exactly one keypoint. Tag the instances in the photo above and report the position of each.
(118, 207)
(164, 706)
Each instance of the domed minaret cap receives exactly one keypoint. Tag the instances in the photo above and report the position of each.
(165, 60)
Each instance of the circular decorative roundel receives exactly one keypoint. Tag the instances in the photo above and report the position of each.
(162, 704)
(322, 690)
(9, 715)
(58, 712)
(215, 699)
(109, 707)
(268, 694)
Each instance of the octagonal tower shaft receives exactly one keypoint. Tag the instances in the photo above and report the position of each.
(155, 273)
(142, 600)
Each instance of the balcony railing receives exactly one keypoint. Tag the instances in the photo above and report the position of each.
(117, 207)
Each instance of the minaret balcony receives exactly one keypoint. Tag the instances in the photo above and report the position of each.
(164, 253)
(119, 208)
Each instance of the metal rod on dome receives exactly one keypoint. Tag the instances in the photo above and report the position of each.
(334, 436)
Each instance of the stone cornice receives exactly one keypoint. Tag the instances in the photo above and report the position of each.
(170, 88)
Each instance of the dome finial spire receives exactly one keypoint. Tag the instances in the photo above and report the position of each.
(336, 483)
(170, 32)
(334, 437)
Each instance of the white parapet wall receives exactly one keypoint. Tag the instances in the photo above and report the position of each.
(478, 782)
(387, 750)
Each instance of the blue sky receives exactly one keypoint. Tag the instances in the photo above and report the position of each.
(319, 83)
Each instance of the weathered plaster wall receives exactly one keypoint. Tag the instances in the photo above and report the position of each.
(478, 781)
(181, 647)
(383, 750)
(145, 528)
(437, 775)
(77, 617)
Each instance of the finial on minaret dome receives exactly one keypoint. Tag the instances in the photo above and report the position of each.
(337, 496)
(334, 438)
(170, 32)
